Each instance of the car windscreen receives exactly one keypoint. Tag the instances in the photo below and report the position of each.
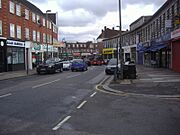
(112, 62)
(78, 61)
(49, 61)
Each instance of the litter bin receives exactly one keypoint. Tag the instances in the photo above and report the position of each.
(129, 71)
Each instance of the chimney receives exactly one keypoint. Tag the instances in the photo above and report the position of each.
(104, 27)
(102, 31)
(112, 28)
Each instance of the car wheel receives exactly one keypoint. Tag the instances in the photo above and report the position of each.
(38, 73)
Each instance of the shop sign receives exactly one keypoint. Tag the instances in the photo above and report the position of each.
(108, 51)
(15, 43)
(127, 49)
(175, 34)
(76, 54)
(37, 47)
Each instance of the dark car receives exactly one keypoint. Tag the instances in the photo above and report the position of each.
(51, 65)
(79, 65)
(111, 66)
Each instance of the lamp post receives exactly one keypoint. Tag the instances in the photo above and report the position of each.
(47, 11)
(120, 43)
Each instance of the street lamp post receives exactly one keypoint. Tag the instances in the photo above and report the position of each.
(47, 11)
(120, 43)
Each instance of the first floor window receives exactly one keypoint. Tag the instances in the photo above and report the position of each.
(44, 37)
(0, 4)
(26, 14)
(12, 30)
(34, 35)
(27, 33)
(0, 27)
(38, 36)
(19, 32)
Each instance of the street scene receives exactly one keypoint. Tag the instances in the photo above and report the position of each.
(89, 67)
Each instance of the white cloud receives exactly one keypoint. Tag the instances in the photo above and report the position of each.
(83, 20)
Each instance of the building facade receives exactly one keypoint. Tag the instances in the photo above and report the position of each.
(154, 40)
(79, 49)
(24, 34)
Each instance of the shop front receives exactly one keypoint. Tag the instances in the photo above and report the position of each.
(15, 55)
(175, 45)
(3, 57)
(109, 53)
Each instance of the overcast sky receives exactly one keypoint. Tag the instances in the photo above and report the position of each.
(83, 20)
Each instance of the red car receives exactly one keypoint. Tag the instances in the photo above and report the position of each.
(97, 62)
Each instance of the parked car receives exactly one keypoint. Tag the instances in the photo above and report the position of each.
(111, 66)
(67, 65)
(51, 65)
(97, 62)
(79, 65)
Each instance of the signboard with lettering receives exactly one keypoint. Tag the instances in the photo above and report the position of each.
(15, 43)
(108, 51)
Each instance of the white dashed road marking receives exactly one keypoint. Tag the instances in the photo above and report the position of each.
(81, 105)
(6, 95)
(61, 123)
(43, 84)
(92, 95)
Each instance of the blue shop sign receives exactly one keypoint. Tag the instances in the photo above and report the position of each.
(162, 39)
(15, 43)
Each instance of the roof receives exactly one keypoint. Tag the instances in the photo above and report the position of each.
(108, 33)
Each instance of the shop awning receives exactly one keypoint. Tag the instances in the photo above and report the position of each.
(157, 47)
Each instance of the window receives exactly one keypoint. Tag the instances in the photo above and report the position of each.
(12, 30)
(0, 4)
(33, 17)
(49, 25)
(38, 36)
(34, 35)
(44, 22)
(38, 19)
(26, 14)
(18, 10)
(18, 30)
(27, 33)
(44, 37)
(50, 40)
(11, 7)
(0, 27)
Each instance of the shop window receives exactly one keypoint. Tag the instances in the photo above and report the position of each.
(0, 27)
(11, 7)
(15, 55)
(34, 35)
(26, 14)
(12, 30)
(18, 32)
(27, 33)
(18, 10)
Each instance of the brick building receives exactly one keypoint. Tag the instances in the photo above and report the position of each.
(25, 32)
(79, 49)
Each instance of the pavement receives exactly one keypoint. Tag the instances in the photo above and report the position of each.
(15, 74)
(150, 81)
